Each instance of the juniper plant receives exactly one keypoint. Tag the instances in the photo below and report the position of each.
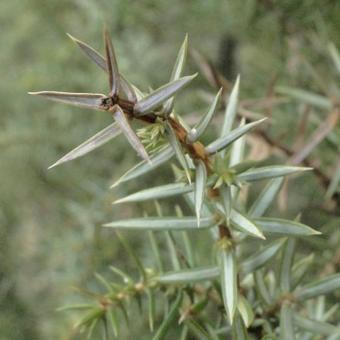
(241, 293)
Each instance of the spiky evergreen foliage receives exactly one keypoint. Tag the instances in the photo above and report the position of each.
(244, 295)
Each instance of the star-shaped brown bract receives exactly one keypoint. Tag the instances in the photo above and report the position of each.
(121, 102)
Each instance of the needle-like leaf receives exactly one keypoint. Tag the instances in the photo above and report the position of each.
(144, 167)
(243, 166)
(320, 287)
(190, 200)
(237, 150)
(284, 227)
(78, 306)
(239, 330)
(189, 275)
(245, 224)
(335, 56)
(335, 181)
(237, 155)
(261, 257)
(306, 96)
(245, 310)
(315, 326)
(229, 282)
(112, 65)
(90, 52)
(92, 143)
(331, 311)
(286, 265)
(111, 316)
(95, 313)
(225, 191)
(92, 325)
(131, 251)
(197, 329)
(88, 100)
(156, 250)
(300, 268)
(162, 223)
(176, 72)
(286, 323)
(172, 250)
(180, 60)
(178, 150)
(201, 126)
(96, 57)
(226, 140)
(151, 308)
(200, 184)
(231, 109)
(130, 135)
(186, 241)
(266, 197)
(125, 277)
(101, 279)
(269, 172)
(262, 288)
(169, 318)
(156, 98)
(170, 241)
(161, 191)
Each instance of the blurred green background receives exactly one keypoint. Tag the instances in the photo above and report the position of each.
(50, 235)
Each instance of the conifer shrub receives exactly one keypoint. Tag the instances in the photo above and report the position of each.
(253, 283)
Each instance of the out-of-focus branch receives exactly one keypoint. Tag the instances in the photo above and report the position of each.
(316, 138)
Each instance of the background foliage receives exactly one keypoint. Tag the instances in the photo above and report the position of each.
(50, 232)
